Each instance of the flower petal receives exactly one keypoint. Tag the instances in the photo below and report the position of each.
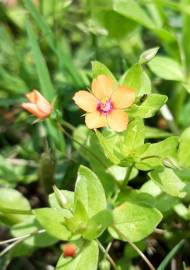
(33, 109)
(32, 96)
(85, 101)
(118, 120)
(42, 105)
(36, 98)
(102, 87)
(123, 97)
(95, 120)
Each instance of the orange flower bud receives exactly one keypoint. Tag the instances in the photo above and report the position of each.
(38, 105)
(69, 250)
(12, 3)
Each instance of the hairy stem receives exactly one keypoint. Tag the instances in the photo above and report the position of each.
(17, 241)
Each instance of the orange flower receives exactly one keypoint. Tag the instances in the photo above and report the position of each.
(38, 105)
(12, 3)
(106, 104)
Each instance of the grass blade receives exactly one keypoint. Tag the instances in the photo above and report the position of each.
(170, 255)
(47, 87)
(65, 60)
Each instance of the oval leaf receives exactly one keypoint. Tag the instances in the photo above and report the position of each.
(166, 68)
(89, 191)
(135, 221)
(53, 221)
(87, 259)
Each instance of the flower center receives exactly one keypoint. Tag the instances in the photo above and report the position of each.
(104, 106)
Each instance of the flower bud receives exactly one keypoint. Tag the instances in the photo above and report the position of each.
(105, 265)
(37, 105)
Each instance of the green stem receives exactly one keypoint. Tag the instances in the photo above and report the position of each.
(135, 248)
(107, 255)
(127, 176)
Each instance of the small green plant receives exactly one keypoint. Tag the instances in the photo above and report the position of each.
(118, 175)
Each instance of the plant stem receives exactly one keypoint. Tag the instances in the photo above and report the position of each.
(135, 248)
(107, 255)
(18, 240)
(127, 176)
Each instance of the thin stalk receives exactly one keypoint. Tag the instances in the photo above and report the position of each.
(19, 240)
(68, 125)
(135, 248)
(107, 255)
(128, 173)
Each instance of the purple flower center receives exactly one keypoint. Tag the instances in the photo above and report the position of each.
(104, 107)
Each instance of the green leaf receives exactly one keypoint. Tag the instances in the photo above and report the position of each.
(149, 106)
(53, 220)
(166, 68)
(148, 55)
(79, 220)
(89, 191)
(184, 149)
(155, 133)
(137, 79)
(12, 199)
(41, 67)
(168, 181)
(135, 221)
(170, 255)
(98, 161)
(136, 197)
(119, 146)
(100, 69)
(157, 152)
(107, 143)
(119, 172)
(98, 224)
(46, 84)
(31, 226)
(87, 258)
(117, 25)
(131, 9)
(133, 136)
(182, 211)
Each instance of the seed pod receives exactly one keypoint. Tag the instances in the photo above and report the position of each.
(105, 265)
(69, 250)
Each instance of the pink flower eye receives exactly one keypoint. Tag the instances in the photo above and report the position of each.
(104, 107)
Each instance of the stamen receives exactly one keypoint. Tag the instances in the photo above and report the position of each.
(104, 107)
